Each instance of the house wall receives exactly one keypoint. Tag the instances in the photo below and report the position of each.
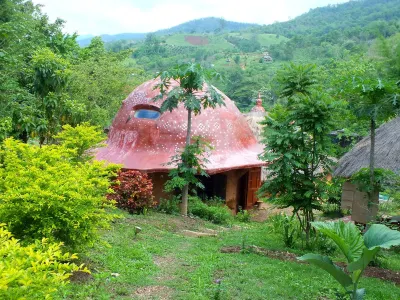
(232, 184)
(361, 210)
(159, 180)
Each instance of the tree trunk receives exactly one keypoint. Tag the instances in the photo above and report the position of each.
(372, 158)
(185, 191)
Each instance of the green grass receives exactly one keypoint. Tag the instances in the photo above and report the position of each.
(161, 263)
(216, 42)
(265, 39)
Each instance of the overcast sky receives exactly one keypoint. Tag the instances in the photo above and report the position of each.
(120, 16)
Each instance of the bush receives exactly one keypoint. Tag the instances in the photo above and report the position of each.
(243, 216)
(215, 214)
(169, 206)
(287, 227)
(43, 193)
(133, 191)
(32, 272)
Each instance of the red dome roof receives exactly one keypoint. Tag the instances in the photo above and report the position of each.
(148, 144)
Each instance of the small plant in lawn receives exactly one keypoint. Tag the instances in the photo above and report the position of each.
(287, 227)
(133, 191)
(35, 271)
(359, 251)
(216, 214)
(243, 216)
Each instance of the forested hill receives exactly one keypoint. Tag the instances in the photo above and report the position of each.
(363, 17)
(206, 25)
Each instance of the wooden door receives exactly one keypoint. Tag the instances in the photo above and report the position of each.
(253, 185)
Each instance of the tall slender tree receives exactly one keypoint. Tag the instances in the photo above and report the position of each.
(195, 92)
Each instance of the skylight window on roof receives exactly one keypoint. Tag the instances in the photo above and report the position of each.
(147, 114)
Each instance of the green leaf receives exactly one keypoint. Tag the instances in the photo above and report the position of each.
(326, 264)
(381, 236)
(367, 256)
(346, 236)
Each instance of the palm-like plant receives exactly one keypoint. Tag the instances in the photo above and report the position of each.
(359, 251)
(375, 101)
(195, 92)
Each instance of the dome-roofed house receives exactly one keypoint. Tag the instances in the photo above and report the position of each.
(142, 138)
(387, 156)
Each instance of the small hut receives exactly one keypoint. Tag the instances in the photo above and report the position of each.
(387, 156)
(142, 138)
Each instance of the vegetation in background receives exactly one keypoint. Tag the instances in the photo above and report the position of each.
(196, 93)
(359, 251)
(133, 191)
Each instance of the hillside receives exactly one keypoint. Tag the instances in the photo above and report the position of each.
(204, 25)
(355, 18)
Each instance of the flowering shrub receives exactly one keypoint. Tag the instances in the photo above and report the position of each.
(32, 272)
(133, 191)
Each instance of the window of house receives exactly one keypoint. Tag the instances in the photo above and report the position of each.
(147, 114)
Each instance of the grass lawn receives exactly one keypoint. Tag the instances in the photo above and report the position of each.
(162, 263)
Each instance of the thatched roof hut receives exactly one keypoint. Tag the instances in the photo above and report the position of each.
(387, 151)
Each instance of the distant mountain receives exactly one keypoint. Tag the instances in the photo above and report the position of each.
(203, 25)
(112, 38)
(206, 25)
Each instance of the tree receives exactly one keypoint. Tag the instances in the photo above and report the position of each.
(297, 149)
(296, 78)
(375, 101)
(194, 92)
(359, 251)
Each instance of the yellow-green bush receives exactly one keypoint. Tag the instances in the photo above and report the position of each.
(44, 192)
(32, 272)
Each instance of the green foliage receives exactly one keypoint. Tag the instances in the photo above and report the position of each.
(191, 78)
(243, 216)
(133, 191)
(35, 271)
(296, 79)
(169, 206)
(359, 251)
(38, 200)
(82, 139)
(384, 179)
(297, 150)
(189, 164)
(218, 214)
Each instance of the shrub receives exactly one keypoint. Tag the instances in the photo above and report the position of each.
(133, 191)
(215, 214)
(43, 193)
(169, 206)
(32, 272)
(243, 216)
(287, 227)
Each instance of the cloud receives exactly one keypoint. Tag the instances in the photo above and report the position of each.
(118, 16)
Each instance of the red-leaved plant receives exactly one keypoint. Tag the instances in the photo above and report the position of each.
(133, 191)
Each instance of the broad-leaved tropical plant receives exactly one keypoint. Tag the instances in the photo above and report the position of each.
(358, 249)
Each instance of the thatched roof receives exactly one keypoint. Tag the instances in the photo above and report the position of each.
(387, 151)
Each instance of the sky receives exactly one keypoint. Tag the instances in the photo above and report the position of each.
(121, 16)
